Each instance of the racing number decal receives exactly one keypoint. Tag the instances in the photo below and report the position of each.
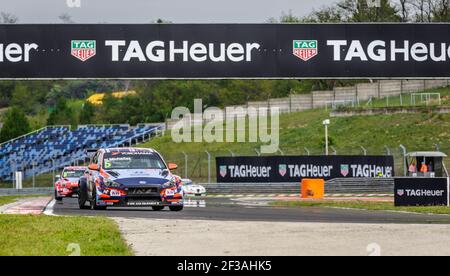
(107, 164)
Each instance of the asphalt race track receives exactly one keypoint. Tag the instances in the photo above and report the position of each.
(226, 209)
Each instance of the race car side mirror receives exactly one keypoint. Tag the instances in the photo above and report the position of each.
(172, 166)
(94, 167)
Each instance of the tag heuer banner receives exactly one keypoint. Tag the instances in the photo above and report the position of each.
(418, 191)
(199, 51)
(295, 168)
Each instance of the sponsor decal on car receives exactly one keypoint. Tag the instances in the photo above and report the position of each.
(170, 192)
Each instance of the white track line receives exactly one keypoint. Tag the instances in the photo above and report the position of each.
(48, 211)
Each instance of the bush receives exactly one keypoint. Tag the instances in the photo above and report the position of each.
(16, 124)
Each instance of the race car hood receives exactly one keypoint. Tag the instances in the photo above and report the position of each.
(73, 181)
(139, 177)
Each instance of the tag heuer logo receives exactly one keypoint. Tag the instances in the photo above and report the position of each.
(223, 171)
(344, 170)
(83, 49)
(400, 192)
(305, 49)
(282, 169)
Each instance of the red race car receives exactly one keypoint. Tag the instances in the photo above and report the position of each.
(67, 184)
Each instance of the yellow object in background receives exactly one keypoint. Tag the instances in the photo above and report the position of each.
(313, 188)
(97, 98)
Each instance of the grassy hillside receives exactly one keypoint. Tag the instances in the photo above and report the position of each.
(419, 131)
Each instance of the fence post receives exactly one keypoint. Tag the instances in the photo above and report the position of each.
(185, 164)
(388, 150)
(307, 151)
(290, 102)
(334, 150)
(34, 174)
(364, 150)
(379, 89)
(12, 164)
(403, 148)
(209, 166)
(437, 147)
(53, 171)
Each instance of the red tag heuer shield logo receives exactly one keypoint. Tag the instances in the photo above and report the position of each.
(83, 49)
(305, 49)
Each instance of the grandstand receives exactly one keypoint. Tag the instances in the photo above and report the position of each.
(54, 147)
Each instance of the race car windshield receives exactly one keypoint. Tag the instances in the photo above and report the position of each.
(123, 161)
(73, 173)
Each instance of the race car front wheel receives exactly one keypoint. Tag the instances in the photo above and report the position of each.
(58, 198)
(82, 197)
(94, 204)
(175, 208)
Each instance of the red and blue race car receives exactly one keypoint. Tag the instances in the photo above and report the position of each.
(67, 183)
(130, 177)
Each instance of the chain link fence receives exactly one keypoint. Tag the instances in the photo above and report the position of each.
(197, 167)
(200, 166)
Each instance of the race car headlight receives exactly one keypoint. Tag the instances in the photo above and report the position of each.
(111, 184)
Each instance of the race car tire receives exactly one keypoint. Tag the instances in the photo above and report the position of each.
(157, 208)
(57, 198)
(94, 201)
(82, 196)
(176, 208)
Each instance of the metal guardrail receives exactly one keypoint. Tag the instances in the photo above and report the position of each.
(337, 185)
(26, 191)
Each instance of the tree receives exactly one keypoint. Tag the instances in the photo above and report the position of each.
(62, 114)
(22, 98)
(8, 18)
(66, 18)
(162, 21)
(87, 113)
(354, 11)
(404, 10)
(16, 124)
(6, 90)
(440, 11)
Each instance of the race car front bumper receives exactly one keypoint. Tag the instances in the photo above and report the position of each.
(140, 196)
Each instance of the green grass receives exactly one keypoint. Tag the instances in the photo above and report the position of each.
(7, 199)
(418, 131)
(366, 205)
(10, 199)
(46, 235)
(404, 100)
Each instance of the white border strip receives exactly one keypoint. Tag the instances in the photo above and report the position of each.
(48, 211)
